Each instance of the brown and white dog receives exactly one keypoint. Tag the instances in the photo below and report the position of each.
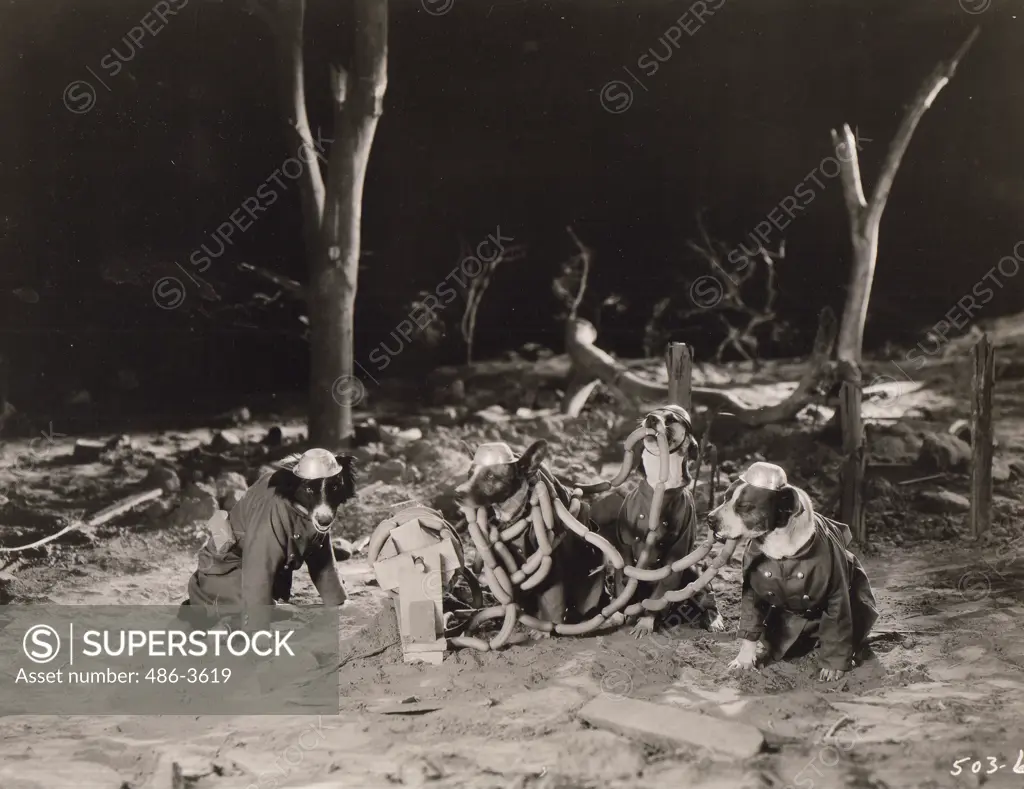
(623, 521)
(800, 582)
(501, 481)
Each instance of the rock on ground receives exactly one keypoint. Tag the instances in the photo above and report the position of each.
(227, 482)
(942, 502)
(389, 471)
(163, 477)
(198, 503)
(944, 452)
(224, 440)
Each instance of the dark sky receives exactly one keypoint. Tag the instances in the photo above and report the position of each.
(493, 118)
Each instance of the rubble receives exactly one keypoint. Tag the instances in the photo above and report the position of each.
(368, 432)
(163, 477)
(87, 450)
(229, 482)
(198, 504)
(224, 440)
(944, 452)
(942, 502)
(389, 471)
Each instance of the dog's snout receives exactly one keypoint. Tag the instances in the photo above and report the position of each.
(324, 520)
(651, 421)
(714, 524)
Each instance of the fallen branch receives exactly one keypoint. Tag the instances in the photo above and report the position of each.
(101, 517)
(289, 286)
(589, 361)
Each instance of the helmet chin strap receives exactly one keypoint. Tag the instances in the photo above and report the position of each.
(671, 450)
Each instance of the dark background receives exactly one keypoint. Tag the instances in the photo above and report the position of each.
(492, 118)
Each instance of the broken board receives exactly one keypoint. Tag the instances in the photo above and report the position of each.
(418, 652)
(414, 564)
(660, 724)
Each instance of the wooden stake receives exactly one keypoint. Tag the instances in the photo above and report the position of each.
(679, 363)
(852, 507)
(983, 362)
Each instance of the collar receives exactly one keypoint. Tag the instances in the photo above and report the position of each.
(677, 469)
(753, 552)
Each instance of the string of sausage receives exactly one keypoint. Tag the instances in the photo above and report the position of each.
(502, 575)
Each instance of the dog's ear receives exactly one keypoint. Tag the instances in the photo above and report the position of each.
(348, 466)
(787, 504)
(533, 457)
(283, 481)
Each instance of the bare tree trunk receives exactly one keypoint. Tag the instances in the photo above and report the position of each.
(333, 212)
(865, 216)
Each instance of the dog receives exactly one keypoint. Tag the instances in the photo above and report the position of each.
(501, 482)
(623, 521)
(282, 522)
(800, 582)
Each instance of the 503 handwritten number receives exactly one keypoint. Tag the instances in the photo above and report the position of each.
(994, 766)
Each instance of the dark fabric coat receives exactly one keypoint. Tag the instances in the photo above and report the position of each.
(821, 592)
(623, 520)
(271, 539)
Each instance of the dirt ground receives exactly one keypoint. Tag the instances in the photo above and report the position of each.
(944, 682)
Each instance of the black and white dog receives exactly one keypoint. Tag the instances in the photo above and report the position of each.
(282, 522)
(800, 581)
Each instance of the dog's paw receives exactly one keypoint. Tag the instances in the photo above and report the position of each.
(643, 627)
(830, 674)
(537, 635)
(746, 660)
(716, 624)
(743, 663)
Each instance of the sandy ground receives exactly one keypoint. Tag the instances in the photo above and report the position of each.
(945, 681)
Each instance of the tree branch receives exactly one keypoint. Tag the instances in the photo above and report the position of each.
(288, 285)
(865, 218)
(849, 172)
(289, 27)
(589, 361)
(584, 273)
(926, 94)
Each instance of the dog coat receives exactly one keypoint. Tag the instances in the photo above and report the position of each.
(822, 591)
(623, 521)
(270, 539)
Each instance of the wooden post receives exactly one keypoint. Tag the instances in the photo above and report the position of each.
(852, 506)
(983, 362)
(679, 363)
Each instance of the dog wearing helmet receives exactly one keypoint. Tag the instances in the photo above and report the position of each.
(282, 522)
(622, 519)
